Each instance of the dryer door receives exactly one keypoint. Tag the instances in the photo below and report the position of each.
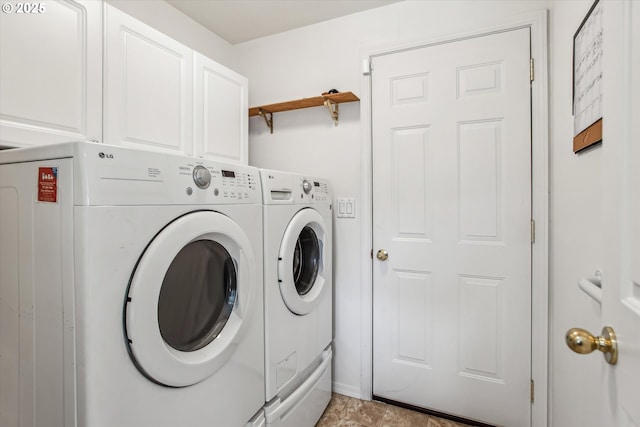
(301, 262)
(189, 299)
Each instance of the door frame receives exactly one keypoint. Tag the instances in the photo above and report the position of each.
(537, 22)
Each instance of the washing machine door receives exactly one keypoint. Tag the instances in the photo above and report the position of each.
(301, 262)
(189, 299)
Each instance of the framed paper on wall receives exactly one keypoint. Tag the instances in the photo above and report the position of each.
(587, 80)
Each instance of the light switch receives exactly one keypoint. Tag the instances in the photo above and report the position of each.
(346, 207)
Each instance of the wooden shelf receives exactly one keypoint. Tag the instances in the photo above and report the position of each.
(330, 101)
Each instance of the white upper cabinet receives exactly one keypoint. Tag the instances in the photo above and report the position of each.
(220, 128)
(148, 87)
(50, 72)
(162, 95)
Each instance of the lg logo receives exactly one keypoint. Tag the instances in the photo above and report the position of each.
(105, 156)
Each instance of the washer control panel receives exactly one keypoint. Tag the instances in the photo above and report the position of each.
(314, 190)
(282, 188)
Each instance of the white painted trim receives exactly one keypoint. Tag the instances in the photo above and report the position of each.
(540, 207)
(366, 295)
(347, 390)
(538, 22)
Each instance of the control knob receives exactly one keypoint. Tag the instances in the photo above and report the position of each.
(201, 176)
(306, 186)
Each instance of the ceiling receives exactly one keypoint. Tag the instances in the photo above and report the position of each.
(238, 21)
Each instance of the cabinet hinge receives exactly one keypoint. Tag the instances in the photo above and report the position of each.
(533, 231)
(533, 386)
(531, 69)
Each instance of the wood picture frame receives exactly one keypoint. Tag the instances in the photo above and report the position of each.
(587, 80)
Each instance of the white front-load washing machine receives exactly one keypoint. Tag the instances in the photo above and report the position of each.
(297, 297)
(130, 289)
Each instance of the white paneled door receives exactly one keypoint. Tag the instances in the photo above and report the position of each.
(621, 219)
(452, 217)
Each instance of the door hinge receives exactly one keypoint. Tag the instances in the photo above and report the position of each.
(367, 66)
(531, 69)
(533, 231)
(533, 386)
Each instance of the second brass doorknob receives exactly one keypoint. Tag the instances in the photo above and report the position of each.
(584, 342)
(382, 255)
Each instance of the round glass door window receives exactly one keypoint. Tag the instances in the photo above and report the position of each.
(197, 295)
(190, 299)
(306, 260)
(302, 261)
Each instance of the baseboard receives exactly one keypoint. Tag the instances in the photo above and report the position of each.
(347, 390)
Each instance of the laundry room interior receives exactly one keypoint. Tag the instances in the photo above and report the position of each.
(577, 207)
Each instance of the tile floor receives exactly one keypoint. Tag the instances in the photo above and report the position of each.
(344, 411)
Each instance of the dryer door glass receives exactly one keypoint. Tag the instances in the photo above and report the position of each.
(197, 296)
(306, 260)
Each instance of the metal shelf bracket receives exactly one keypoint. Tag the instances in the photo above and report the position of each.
(268, 118)
(332, 106)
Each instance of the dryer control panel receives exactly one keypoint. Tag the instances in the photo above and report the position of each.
(221, 183)
(110, 175)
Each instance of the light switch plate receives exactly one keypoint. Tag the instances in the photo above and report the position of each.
(346, 207)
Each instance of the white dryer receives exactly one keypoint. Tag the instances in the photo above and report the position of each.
(130, 289)
(297, 298)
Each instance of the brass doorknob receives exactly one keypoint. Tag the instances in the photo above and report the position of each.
(584, 342)
(382, 255)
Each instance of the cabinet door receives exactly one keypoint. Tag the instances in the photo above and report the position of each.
(220, 112)
(50, 72)
(148, 87)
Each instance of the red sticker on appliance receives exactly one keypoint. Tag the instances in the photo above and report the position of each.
(48, 184)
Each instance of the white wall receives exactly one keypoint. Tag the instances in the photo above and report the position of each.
(575, 235)
(308, 61)
(170, 21)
